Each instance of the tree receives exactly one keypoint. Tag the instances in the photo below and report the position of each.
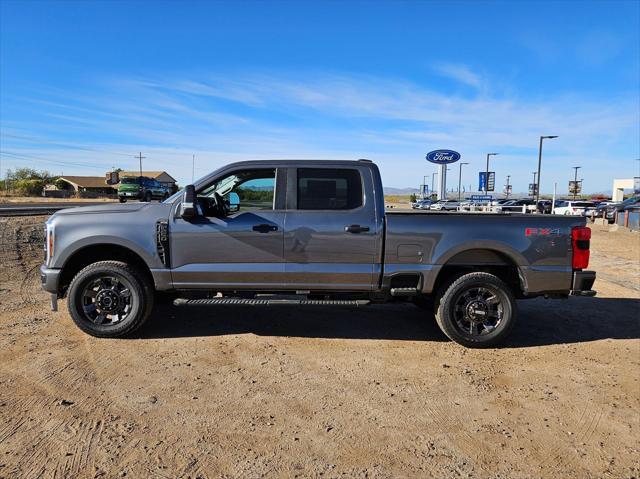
(27, 181)
(412, 197)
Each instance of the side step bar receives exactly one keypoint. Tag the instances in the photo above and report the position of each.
(268, 302)
(404, 291)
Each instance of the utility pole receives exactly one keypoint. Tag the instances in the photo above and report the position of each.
(140, 157)
(508, 177)
(193, 167)
(486, 178)
(540, 163)
(575, 181)
(460, 181)
(535, 186)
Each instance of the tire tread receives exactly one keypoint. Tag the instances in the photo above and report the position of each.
(445, 293)
(147, 298)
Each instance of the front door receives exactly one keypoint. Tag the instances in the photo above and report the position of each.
(236, 240)
(332, 235)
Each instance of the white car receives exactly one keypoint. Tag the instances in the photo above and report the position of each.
(422, 205)
(573, 208)
(445, 205)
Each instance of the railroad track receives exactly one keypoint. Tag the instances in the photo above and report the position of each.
(31, 211)
(26, 209)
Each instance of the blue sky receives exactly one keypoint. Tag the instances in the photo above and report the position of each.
(84, 86)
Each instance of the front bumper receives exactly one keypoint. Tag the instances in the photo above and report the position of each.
(582, 283)
(49, 279)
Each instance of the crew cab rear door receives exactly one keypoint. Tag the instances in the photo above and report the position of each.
(332, 237)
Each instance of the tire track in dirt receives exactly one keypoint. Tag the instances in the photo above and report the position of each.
(451, 428)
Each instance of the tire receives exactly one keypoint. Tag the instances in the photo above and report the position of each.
(476, 310)
(122, 200)
(148, 197)
(99, 292)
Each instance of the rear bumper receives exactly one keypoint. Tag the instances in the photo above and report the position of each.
(582, 283)
(130, 194)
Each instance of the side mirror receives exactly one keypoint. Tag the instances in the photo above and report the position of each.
(188, 207)
(234, 202)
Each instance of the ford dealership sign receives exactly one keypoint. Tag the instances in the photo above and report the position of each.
(443, 157)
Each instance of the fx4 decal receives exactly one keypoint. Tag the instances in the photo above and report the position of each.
(542, 231)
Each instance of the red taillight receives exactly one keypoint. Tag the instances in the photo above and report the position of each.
(580, 238)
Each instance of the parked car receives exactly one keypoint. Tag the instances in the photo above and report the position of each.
(544, 207)
(422, 204)
(322, 237)
(141, 188)
(573, 208)
(611, 210)
(445, 205)
(516, 206)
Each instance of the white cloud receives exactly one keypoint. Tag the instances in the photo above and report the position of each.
(460, 73)
(392, 121)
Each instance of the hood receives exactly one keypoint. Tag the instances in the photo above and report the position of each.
(106, 208)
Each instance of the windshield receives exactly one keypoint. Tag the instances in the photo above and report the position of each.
(130, 180)
(583, 204)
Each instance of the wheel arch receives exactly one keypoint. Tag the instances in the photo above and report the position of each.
(90, 254)
(481, 259)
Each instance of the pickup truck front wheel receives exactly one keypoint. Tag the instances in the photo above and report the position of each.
(108, 299)
(477, 310)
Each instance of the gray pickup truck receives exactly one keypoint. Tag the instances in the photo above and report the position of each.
(308, 233)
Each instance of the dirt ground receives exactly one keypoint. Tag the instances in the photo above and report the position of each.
(287, 392)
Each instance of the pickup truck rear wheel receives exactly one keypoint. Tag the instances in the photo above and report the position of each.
(108, 299)
(477, 310)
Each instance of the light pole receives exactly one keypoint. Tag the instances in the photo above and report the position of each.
(486, 178)
(575, 180)
(460, 181)
(540, 163)
(535, 187)
(507, 192)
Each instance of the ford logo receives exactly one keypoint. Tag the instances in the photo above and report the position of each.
(443, 157)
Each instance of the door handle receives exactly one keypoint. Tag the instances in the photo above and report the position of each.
(356, 229)
(265, 228)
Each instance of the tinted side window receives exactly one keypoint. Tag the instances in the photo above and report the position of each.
(329, 189)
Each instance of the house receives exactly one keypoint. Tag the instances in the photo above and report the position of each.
(161, 176)
(82, 186)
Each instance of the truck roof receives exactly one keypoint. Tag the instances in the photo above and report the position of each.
(290, 161)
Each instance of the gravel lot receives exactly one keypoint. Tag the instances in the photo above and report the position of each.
(286, 392)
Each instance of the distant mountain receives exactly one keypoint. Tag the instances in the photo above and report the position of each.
(400, 191)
